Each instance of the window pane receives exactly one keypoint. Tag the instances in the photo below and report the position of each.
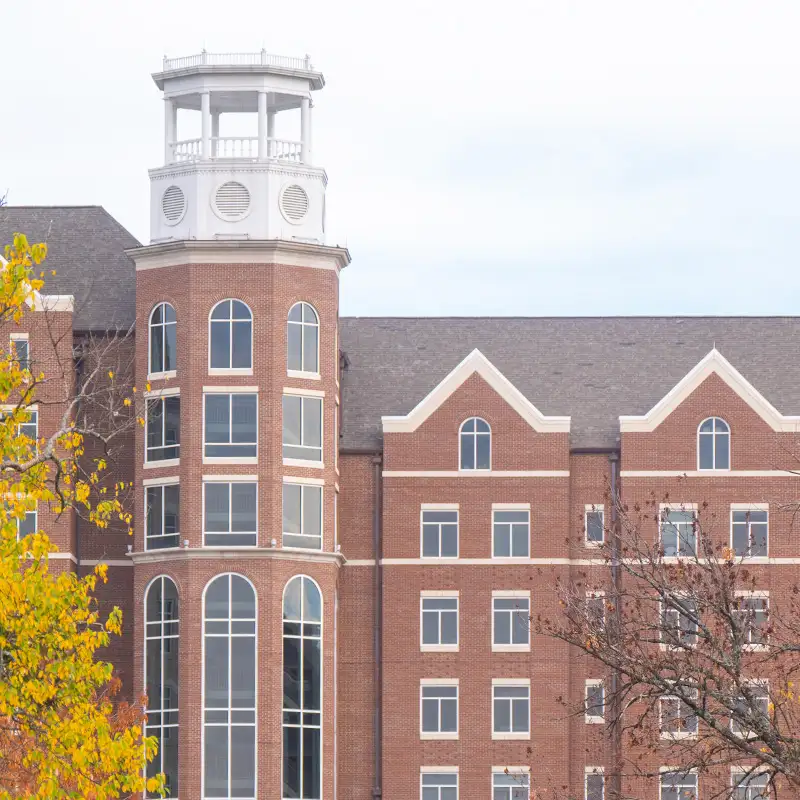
(430, 628)
(502, 716)
(502, 541)
(154, 511)
(311, 674)
(218, 421)
(594, 526)
(430, 716)
(243, 506)
(241, 345)
(243, 679)
(484, 452)
(520, 537)
(449, 716)
(243, 761)
(449, 541)
(312, 763)
(310, 349)
(170, 346)
(220, 344)
(217, 516)
(216, 761)
(222, 310)
(449, 627)
(502, 627)
(430, 541)
(723, 451)
(312, 602)
(294, 351)
(520, 715)
(312, 422)
(291, 419)
(312, 510)
(291, 762)
(244, 414)
(216, 673)
(291, 508)
(467, 451)
(705, 445)
(156, 349)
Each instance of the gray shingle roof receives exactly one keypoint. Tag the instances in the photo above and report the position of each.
(86, 247)
(591, 368)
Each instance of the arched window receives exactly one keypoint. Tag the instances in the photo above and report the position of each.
(161, 677)
(713, 444)
(302, 339)
(231, 336)
(475, 444)
(229, 689)
(302, 689)
(163, 346)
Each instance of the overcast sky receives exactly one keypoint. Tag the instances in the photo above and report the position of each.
(526, 158)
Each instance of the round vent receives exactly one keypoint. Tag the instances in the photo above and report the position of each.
(173, 205)
(294, 203)
(232, 200)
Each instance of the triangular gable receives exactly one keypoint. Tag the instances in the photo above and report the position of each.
(476, 362)
(714, 362)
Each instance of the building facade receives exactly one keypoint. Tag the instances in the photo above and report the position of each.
(339, 523)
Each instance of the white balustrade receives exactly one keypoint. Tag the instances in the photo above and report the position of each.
(236, 147)
(237, 60)
(283, 149)
(187, 150)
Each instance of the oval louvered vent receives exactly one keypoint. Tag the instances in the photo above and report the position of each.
(173, 204)
(232, 200)
(294, 203)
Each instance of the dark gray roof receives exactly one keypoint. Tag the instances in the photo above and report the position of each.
(593, 369)
(86, 248)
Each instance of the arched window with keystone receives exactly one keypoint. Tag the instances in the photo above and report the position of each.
(713, 444)
(475, 444)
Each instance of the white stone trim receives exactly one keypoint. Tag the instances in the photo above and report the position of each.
(246, 460)
(230, 389)
(751, 593)
(53, 302)
(162, 376)
(167, 462)
(230, 478)
(438, 769)
(109, 562)
(167, 391)
(246, 371)
(226, 553)
(439, 506)
(475, 473)
(525, 769)
(169, 481)
(749, 506)
(526, 593)
(714, 362)
(677, 507)
(306, 481)
(475, 362)
(709, 473)
(304, 376)
(294, 390)
(511, 681)
(511, 506)
(303, 462)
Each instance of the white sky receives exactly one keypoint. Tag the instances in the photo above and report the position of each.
(501, 157)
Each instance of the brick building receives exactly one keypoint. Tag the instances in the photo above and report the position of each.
(340, 521)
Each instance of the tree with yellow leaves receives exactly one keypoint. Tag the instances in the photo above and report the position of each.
(61, 733)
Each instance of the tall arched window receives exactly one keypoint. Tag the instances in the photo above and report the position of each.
(229, 690)
(230, 336)
(713, 444)
(163, 343)
(302, 689)
(161, 677)
(302, 339)
(475, 444)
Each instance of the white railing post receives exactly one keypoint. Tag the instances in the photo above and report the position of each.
(262, 125)
(205, 111)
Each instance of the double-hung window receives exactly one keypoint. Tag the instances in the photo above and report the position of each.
(21, 350)
(231, 425)
(750, 785)
(439, 621)
(439, 709)
(751, 705)
(302, 428)
(679, 621)
(678, 531)
(749, 532)
(511, 630)
(511, 532)
(163, 433)
(302, 515)
(510, 785)
(511, 709)
(676, 718)
(752, 613)
(162, 515)
(438, 784)
(28, 524)
(230, 513)
(439, 532)
(594, 784)
(678, 786)
(594, 524)
(595, 701)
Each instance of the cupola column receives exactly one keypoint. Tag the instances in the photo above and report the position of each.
(170, 128)
(270, 131)
(214, 134)
(205, 111)
(305, 130)
(263, 127)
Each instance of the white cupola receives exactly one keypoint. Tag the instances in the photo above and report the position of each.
(237, 187)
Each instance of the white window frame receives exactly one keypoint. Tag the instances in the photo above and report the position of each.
(594, 719)
(445, 735)
(593, 508)
(591, 772)
(439, 507)
(229, 480)
(667, 770)
(20, 337)
(522, 773)
(159, 374)
(160, 483)
(304, 395)
(597, 594)
(501, 508)
(747, 507)
(231, 370)
(751, 646)
(304, 486)
(161, 397)
(475, 445)
(682, 507)
(664, 645)
(437, 771)
(302, 373)
(713, 436)
(35, 513)
(510, 594)
(762, 682)
(738, 774)
(673, 735)
(443, 595)
(516, 683)
(231, 391)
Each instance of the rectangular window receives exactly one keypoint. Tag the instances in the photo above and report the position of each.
(679, 622)
(595, 784)
(163, 428)
(231, 425)
(31, 427)
(302, 516)
(677, 720)
(302, 427)
(511, 711)
(21, 350)
(678, 532)
(752, 614)
(594, 524)
(439, 711)
(28, 524)
(678, 786)
(439, 622)
(748, 709)
(511, 629)
(596, 610)
(162, 515)
(749, 533)
(595, 701)
(511, 533)
(511, 785)
(230, 514)
(754, 786)
(439, 533)
(439, 786)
